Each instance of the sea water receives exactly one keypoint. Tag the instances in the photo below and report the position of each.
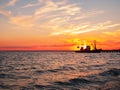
(59, 71)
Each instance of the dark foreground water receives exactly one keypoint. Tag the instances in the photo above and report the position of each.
(59, 71)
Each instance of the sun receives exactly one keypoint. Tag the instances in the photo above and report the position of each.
(81, 44)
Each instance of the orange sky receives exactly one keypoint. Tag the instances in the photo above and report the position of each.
(58, 24)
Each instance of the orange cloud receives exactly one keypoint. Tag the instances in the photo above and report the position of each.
(109, 44)
(26, 21)
(113, 33)
(5, 13)
(11, 2)
(39, 47)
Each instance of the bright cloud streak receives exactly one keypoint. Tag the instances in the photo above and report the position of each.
(88, 28)
(31, 5)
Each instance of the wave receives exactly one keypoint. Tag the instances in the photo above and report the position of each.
(60, 69)
(75, 81)
(107, 80)
(111, 72)
(10, 76)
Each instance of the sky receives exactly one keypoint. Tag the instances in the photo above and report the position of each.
(59, 24)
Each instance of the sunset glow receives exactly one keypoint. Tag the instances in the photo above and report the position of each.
(59, 24)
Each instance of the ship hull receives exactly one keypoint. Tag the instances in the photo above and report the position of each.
(93, 51)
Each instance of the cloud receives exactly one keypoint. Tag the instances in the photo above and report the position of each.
(57, 16)
(49, 14)
(38, 46)
(52, 8)
(15, 47)
(11, 2)
(109, 44)
(55, 10)
(56, 45)
(49, 7)
(88, 28)
(88, 14)
(61, 2)
(54, 17)
(25, 20)
(5, 13)
(30, 5)
(115, 33)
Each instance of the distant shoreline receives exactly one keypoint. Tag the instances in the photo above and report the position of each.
(52, 50)
(36, 51)
(110, 51)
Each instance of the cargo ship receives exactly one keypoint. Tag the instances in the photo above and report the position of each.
(87, 48)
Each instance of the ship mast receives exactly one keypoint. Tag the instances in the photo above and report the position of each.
(94, 43)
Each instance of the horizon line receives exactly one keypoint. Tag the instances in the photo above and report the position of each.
(51, 50)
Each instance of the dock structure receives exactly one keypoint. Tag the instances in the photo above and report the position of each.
(110, 50)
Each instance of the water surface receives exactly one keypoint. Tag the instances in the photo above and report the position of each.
(59, 71)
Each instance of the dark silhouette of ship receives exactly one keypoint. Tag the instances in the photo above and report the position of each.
(87, 48)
